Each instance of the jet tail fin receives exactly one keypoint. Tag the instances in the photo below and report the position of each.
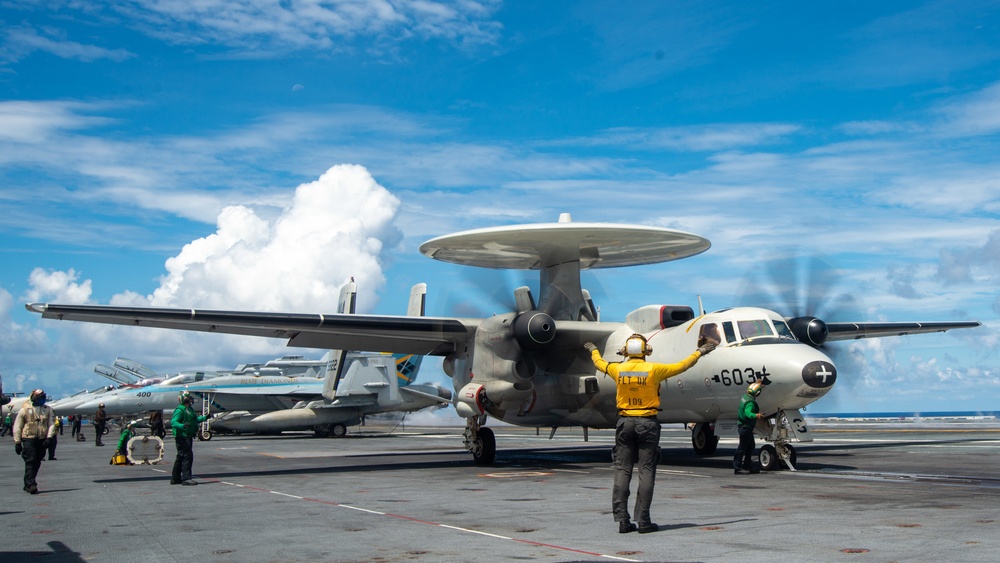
(418, 301)
(408, 365)
(369, 380)
(335, 358)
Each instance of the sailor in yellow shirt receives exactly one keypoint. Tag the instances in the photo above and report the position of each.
(637, 433)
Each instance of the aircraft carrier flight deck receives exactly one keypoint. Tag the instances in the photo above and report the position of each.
(863, 492)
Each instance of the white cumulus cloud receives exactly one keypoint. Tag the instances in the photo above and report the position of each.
(335, 228)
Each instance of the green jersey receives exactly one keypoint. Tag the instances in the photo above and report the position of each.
(748, 411)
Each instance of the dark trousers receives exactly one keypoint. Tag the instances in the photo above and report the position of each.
(743, 452)
(99, 433)
(76, 428)
(52, 446)
(32, 452)
(185, 456)
(637, 440)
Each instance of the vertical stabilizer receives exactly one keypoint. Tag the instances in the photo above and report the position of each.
(407, 365)
(335, 358)
(369, 380)
(418, 301)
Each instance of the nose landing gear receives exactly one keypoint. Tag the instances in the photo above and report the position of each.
(780, 430)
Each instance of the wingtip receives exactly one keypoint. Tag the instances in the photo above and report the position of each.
(35, 307)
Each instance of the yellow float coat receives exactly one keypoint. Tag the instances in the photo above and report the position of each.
(638, 381)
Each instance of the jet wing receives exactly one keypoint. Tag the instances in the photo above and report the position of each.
(853, 331)
(432, 336)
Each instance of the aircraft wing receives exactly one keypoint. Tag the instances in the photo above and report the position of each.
(429, 336)
(853, 331)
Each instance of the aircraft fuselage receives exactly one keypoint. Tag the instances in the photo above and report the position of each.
(755, 345)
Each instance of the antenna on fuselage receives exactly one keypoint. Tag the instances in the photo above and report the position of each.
(701, 308)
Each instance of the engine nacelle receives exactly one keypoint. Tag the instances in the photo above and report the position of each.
(534, 330)
(469, 401)
(809, 330)
(476, 398)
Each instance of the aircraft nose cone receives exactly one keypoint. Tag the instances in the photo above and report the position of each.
(820, 374)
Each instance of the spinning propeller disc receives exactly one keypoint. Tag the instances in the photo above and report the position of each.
(595, 245)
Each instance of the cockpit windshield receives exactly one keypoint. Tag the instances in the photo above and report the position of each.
(760, 330)
(754, 328)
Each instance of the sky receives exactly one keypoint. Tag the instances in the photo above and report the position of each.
(257, 155)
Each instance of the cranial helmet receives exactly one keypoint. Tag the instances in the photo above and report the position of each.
(37, 395)
(635, 347)
(101, 406)
(754, 389)
(184, 397)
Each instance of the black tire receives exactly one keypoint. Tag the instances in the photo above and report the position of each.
(703, 439)
(768, 457)
(204, 435)
(487, 447)
(338, 430)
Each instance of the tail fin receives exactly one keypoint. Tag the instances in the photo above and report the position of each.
(335, 358)
(418, 301)
(408, 365)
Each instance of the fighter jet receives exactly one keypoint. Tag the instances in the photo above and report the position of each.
(289, 393)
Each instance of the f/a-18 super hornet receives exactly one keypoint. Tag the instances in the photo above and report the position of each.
(529, 367)
(290, 393)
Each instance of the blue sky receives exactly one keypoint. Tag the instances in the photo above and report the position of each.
(255, 155)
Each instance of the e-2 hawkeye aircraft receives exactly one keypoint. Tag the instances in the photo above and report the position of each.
(528, 366)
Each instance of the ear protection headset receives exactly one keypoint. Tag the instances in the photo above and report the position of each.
(636, 347)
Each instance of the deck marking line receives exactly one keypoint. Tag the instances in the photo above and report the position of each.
(436, 524)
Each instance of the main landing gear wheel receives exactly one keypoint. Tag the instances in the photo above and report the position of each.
(338, 431)
(768, 457)
(703, 439)
(485, 450)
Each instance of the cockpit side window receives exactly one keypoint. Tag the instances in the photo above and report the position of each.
(754, 328)
(709, 331)
(782, 329)
(730, 331)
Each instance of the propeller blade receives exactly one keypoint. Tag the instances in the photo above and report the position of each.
(799, 285)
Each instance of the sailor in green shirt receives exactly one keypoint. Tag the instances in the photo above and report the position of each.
(747, 421)
(184, 423)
